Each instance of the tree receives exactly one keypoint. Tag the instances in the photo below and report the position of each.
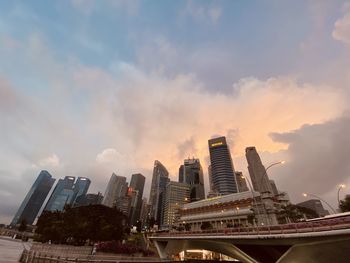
(76, 225)
(206, 225)
(23, 225)
(138, 226)
(345, 204)
(293, 213)
(188, 226)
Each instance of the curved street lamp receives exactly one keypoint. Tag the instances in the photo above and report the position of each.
(341, 186)
(319, 198)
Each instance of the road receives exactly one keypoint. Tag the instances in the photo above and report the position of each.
(10, 250)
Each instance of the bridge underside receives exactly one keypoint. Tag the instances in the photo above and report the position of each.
(321, 250)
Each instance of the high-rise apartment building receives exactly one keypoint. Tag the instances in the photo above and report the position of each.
(159, 181)
(117, 187)
(241, 182)
(176, 195)
(137, 183)
(144, 211)
(34, 199)
(222, 171)
(257, 171)
(63, 194)
(191, 173)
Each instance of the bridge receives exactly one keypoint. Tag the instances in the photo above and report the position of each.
(320, 241)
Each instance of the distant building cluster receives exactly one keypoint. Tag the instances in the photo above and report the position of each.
(232, 198)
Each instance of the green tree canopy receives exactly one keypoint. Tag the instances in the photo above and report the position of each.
(94, 222)
(345, 204)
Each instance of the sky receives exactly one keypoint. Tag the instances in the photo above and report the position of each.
(92, 87)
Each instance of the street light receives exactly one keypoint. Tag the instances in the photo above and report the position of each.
(307, 194)
(341, 186)
(276, 163)
(253, 196)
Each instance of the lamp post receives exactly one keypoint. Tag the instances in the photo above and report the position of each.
(341, 186)
(319, 198)
(268, 167)
(252, 192)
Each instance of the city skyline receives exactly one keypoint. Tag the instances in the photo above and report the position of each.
(156, 81)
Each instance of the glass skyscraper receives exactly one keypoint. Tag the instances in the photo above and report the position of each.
(191, 173)
(62, 195)
(222, 172)
(159, 181)
(34, 199)
(81, 187)
(137, 183)
(117, 187)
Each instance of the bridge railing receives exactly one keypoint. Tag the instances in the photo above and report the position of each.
(300, 227)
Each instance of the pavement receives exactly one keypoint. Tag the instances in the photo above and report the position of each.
(11, 250)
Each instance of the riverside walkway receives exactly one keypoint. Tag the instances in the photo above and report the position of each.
(11, 250)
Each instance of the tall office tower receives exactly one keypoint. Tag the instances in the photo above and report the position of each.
(89, 199)
(241, 182)
(211, 187)
(222, 171)
(117, 187)
(62, 195)
(144, 211)
(81, 187)
(273, 187)
(176, 195)
(137, 183)
(159, 181)
(257, 171)
(34, 199)
(191, 173)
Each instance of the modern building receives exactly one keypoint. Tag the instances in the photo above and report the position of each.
(137, 183)
(257, 171)
(117, 187)
(89, 199)
(81, 187)
(34, 199)
(222, 170)
(62, 195)
(316, 205)
(241, 182)
(191, 173)
(144, 211)
(160, 179)
(221, 212)
(176, 195)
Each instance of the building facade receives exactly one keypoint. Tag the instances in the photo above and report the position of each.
(117, 187)
(89, 199)
(160, 179)
(191, 173)
(222, 170)
(241, 182)
(34, 199)
(316, 205)
(137, 183)
(176, 195)
(257, 171)
(81, 187)
(62, 195)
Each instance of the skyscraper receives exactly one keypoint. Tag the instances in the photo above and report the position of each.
(117, 187)
(176, 194)
(191, 173)
(257, 171)
(137, 183)
(34, 199)
(81, 187)
(222, 171)
(241, 182)
(62, 195)
(159, 181)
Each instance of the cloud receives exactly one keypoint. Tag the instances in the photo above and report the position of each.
(202, 13)
(108, 156)
(341, 30)
(50, 161)
(317, 158)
